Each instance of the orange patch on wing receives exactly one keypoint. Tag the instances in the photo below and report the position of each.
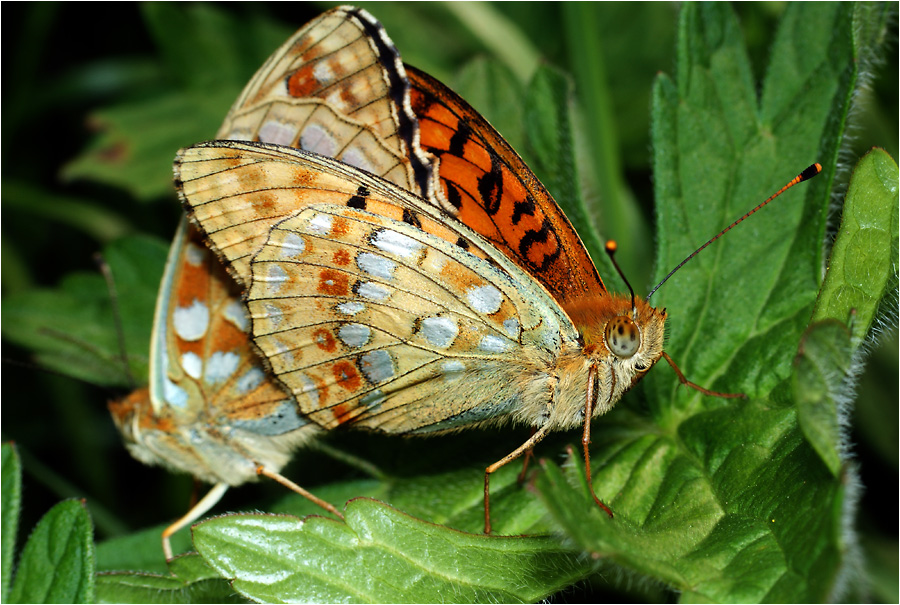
(461, 278)
(340, 226)
(226, 336)
(264, 203)
(333, 283)
(302, 83)
(324, 339)
(391, 211)
(346, 375)
(497, 195)
(192, 284)
(341, 258)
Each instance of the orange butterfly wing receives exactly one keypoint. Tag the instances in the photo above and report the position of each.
(490, 189)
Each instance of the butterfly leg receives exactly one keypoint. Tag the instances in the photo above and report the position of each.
(526, 459)
(697, 387)
(261, 470)
(198, 510)
(586, 435)
(522, 449)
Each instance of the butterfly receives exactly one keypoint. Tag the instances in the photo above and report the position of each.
(336, 87)
(384, 310)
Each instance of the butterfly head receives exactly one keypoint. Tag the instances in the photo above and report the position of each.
(623, 335)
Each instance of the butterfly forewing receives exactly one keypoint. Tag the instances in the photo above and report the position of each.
(489, 188)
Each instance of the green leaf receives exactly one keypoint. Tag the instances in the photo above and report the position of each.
(737, 310)
(70, 212)
(860, 274)
(715, 551)
(820, 371)
(11, 495)
(72, 327)
(129, 156)
(190, 580)
(380, 555)
(57, 564)
(862, 268)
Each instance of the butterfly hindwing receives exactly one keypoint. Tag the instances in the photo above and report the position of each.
(367, 300)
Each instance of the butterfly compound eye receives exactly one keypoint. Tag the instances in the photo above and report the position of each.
(623, 337)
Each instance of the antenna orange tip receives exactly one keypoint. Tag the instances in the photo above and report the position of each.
(811, 171)
(611, 246)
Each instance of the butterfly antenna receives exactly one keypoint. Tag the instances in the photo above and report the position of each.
(803, 176)
(114, 303)
(611, 247)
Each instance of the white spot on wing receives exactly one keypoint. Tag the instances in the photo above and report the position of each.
(191, 323)
(334, 97)
(351, 308)
(377, 266)
(452, 366)
(195, 255)
(356, 157)
(377, 366)
(318, 140)
(373, 399)
(439, 331)
(309, 389)
(354, 335)
(220, 367)
(493, 344)
(485, 299)
(273, 314)
(275, 276)
(236, 313)
(277, 133)
(511, 326)
(192, 364)
(323, 73)
(321, 223)
(291, 246)
(277, 348)
(395, 243)
(373, 291)
(174, 394)
(251, 379)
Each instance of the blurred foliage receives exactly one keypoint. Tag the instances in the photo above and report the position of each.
(73, 185)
